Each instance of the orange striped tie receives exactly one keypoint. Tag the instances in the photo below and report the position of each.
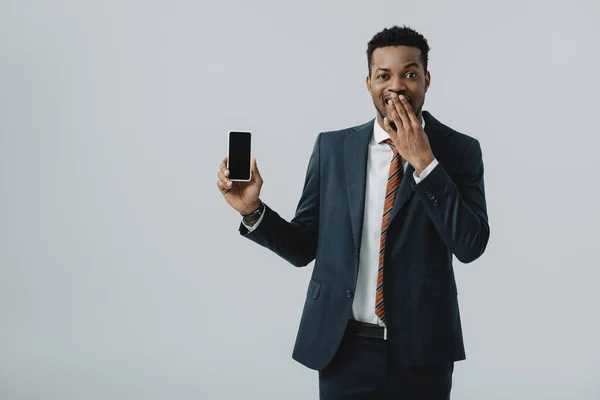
(393, 183)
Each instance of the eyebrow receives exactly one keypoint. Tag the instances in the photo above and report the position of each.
(412, 64)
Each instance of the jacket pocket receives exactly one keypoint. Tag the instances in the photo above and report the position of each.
(314, 288)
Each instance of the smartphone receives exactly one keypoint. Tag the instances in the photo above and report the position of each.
(239, 156)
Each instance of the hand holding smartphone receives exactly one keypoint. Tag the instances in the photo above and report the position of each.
(239, 179)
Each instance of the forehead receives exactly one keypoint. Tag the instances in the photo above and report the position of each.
(392, 57)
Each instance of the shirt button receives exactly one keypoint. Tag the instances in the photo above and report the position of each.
(349, 294)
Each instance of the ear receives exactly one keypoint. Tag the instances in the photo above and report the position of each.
(369, 85)
(427, 81)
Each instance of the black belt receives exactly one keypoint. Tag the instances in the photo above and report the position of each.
(367, 330)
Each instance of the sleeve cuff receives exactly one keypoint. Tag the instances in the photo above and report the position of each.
(253, 227)
(425, 172)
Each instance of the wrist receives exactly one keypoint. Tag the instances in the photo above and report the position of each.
(250, 223)
(252, 217)
(252, 208)
(423, 163)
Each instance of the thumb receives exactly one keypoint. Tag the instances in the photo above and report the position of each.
(255, 171)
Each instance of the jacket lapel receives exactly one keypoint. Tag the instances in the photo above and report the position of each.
(356, 147)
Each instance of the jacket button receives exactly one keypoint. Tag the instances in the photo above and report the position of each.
(349, 294)
(429, 195)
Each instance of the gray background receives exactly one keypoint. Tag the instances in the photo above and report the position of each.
(122, 274)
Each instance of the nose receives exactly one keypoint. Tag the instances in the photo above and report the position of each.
(397, 85)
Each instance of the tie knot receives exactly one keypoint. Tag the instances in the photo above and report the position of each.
(391, 144)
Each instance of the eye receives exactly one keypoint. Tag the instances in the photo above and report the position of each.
(382, 76)
(411, 75)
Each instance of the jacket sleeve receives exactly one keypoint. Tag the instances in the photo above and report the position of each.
(458, 207)
(294, 241)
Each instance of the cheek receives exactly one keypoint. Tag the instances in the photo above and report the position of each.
(419, 92)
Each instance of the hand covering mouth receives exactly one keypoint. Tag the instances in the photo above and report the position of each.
(385, 101)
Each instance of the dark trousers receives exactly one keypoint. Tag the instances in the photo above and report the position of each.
(365, 369)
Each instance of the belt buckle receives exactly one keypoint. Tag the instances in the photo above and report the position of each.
(384, 332)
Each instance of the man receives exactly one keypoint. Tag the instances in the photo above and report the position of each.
(384, 208)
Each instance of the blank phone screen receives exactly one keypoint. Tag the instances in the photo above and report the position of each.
(239, 155)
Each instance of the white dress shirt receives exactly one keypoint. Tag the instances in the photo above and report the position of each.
(378, 168)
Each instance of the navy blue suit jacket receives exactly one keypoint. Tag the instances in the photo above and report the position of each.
(444, 215)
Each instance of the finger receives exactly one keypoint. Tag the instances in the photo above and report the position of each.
(401, 111)
(387, 126)
(223, 178)
(409, 111)
(222, 187)
(223, 169)
(255, 172)
(393, 116)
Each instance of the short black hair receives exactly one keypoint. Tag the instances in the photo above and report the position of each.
(398, 36)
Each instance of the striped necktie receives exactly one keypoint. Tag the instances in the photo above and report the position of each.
(393, 183)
